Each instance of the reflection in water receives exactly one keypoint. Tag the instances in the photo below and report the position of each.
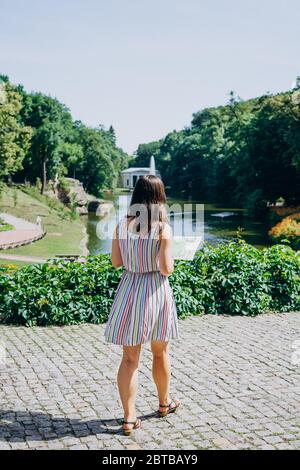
(220, 224)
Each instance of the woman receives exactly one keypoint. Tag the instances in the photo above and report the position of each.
(143, 309)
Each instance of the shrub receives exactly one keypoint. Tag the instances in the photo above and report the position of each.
(287, 231)
(59, 292)
(4, 227)
(73, 206)
(283, 267)
(183, 282)
(64, 185)
(52, 203)
(233, 278)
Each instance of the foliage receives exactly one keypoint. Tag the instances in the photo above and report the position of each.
(97, 169)
(59, 292)
(233, 278)
(245, 153)
(8, 268)
(14, 136)
(64, 185)
(4, 227)
(288, 230)
(73, 206)
(39, 139)
(51, 202)
(282, 264)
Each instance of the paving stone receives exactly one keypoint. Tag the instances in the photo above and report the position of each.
(234, 376)
(273, 439)
(5, 446)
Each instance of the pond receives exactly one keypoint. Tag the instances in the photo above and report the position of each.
(220, 224)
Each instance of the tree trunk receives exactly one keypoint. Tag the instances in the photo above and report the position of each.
(44, 178)
(9, 180)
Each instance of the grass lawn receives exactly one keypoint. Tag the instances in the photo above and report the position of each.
(13, 262)
(63, 235)
(6, 227)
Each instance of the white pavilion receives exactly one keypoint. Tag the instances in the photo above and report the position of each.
(130, 176)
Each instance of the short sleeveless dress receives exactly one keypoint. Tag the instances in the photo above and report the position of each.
(144, 308)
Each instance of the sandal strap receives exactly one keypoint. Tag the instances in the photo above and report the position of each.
(131, 422)
(168, 406)
(164, 406)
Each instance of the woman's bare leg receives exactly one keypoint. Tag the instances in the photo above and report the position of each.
(161, 370)
(128, 381)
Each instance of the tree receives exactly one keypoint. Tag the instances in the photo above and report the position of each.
(71, 157)
(39, 139)
(52, 124)
(97, 170)
(14, 137)
(297, 83)
(145, 152)
(112, 135)
(245, 153)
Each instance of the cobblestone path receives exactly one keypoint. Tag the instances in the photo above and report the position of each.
(234, 375)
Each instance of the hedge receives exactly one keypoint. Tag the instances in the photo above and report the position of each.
(233, 278)
(287, 231)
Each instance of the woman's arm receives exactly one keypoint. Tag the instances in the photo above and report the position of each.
(116, 258)
(166, 262)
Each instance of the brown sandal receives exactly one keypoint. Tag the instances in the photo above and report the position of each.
(136, 425)
(168, 408)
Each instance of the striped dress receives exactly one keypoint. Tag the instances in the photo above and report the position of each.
(143, 308)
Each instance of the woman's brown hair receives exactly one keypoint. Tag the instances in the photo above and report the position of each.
(150, 192)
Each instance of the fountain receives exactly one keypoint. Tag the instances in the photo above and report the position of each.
(222, 215)
(152, 170)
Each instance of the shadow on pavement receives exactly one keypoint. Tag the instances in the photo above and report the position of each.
(18, 426)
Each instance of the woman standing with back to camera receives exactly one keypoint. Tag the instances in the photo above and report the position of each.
(144, 309)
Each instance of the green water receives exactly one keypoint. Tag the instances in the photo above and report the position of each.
(217, 229)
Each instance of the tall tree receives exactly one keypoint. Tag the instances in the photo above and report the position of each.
(14, 137)
(97, 170)
(52, 124)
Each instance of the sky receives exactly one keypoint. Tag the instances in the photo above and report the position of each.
(145, 66)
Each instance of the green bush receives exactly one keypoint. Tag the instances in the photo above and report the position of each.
(64, 185)
(183, 282)
(287, 231)
(59, 292)
(233, 278)
(238, 280)
(4, 227)
(282, 265)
